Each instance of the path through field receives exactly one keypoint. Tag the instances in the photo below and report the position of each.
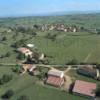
(88, 56)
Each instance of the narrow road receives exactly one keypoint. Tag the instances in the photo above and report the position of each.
(68, 69)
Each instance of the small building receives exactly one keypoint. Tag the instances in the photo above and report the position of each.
(25, 51)
(88, 71)
(84, 88)
(25, 67)
(55, 78)
(30, 45)
(28, 67)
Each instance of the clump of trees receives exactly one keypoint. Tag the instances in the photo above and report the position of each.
(8, 94)
(73, 62)
(4, 38)
(51, 36)
(5, 79)
(25, 29)
(7, 54)
(16, 69)
(43, 72)
(21, 56)
(98, 91)
(23, 97)
(19, 43)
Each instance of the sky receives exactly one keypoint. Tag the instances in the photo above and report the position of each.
(36, 7)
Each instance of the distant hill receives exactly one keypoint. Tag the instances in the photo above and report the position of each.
(89, 20)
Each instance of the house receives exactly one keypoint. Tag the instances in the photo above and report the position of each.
(84, 88)
(51, 27)
(88, 70)
(74, 30)
(25, 51)
(25, 67)
(55, 78)
(28, 67)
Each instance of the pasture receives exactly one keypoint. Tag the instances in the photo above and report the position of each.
(84, 47)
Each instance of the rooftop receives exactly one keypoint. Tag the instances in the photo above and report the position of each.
(56, 73)
(90, 69)
(56, 81)
(23, 49)
(84, 88)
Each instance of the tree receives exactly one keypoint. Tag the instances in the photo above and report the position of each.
(50, 36)
(5, 78)
(73, 62)
(19, 43)
(82, 28)
(7, 54)
(98, 33)
(8, 94)
(4, 38)
(34, 33)
(1, 81)
(36, 26)
(21, 56)
(98, 91)
(98, 66)
(16, 69)
(23, 97)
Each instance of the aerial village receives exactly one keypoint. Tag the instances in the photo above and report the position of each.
(35, 60)
(35, 63)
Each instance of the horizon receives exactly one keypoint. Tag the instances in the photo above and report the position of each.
(21, 8)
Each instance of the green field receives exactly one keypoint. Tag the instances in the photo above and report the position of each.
(84, 47)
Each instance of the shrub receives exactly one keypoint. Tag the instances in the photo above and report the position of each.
(98, 91)
(5, 78)
(8, 94)
(23, 97)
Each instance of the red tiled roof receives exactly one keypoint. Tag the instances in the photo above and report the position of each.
(84, 88)
(23, 49)
(53, 80)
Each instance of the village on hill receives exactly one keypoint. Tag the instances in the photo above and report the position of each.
(55, 58)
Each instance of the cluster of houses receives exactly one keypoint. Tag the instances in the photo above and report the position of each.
(56, 78)
(60, 27)
(33, 56)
